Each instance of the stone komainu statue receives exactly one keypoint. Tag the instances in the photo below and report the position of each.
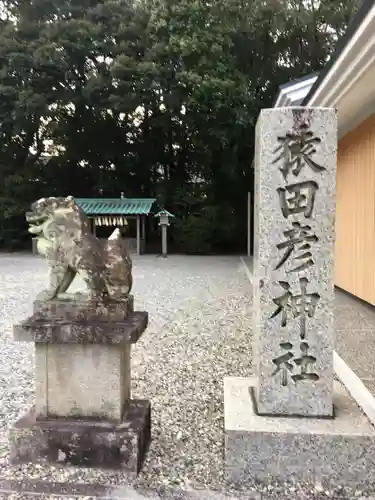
(65, 239)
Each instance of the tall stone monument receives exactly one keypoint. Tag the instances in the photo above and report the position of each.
(83, 413)
(291, 420)
(293, 255)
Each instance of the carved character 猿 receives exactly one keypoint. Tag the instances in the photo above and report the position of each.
(296, 149)
(297, 239)
(65, 239)
(302, 305)
(286, 363)
(302, 198)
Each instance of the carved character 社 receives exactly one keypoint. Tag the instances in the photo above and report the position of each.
(64, 238)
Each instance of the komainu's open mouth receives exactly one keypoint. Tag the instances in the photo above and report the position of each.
(35, 221)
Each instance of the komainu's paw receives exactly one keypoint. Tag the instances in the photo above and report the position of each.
(46, 295)
(96, 295)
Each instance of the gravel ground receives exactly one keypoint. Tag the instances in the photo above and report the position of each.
(199, 332)
(200, 312)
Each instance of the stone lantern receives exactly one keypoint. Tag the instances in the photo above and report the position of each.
(164, 217)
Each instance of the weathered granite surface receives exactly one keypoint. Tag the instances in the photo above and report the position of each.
(82, 381)
(98, 332)
(83, 410)
(65, 239)
(79, 307)
(295, 175)
(83, 414)
(339, 451)
(84, 442)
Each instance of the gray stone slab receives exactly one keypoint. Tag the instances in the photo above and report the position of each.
(84, 442)
(347, 317)
(64, 332)
(295, 176)
(370, 385)
(368, 312)
(334, 451)
(350, 346)
(79, 307)
(82, 380)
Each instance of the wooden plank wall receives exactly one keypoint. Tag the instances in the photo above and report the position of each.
(355, 212)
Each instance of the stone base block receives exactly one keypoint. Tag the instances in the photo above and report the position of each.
(334, 451)
(78, 307)
(84, 443)
(63, 332)
(82, 380)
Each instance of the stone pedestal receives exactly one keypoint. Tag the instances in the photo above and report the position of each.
(334, 451)
(293, 389)
(83, 412)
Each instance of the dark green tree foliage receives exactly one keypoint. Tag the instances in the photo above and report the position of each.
(149, 97)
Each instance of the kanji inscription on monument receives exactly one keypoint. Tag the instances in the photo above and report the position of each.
(295, 173)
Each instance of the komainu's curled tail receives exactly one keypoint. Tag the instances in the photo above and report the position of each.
(118, 266)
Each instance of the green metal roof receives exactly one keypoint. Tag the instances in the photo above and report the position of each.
(116, 206)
